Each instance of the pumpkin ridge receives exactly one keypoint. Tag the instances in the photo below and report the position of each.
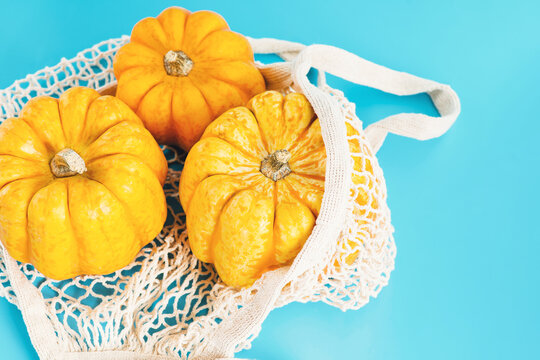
(309, 176)
(91, 142)
(213, 62)
(106, 131)
(144, 137)
(205, 52)
(261, 134)
(110, 128)
(167, 33)
(146, 46)
(132, 69)
(62, 123)
(213, 240)
(245, 94)
(276, 202)
(134, 66)
(173, 123)
(84, 122)
(261, 146)
(23, 178)
(135, 157)
(13, 122)
(210, 33)
(184, 31)
(245, 163)
(123, 154)
(242, 151)
(139, 65)
(45, 143)
(212, 237)
(239, 89)
(28, 240)
(300, 136)
(22, 158)
(271, 259)
(296, 196)
(267, 140)
(231, 118)
(170, 9)
(255, 171)
(306, 155)
(48, 146)
(63, 120)
(144, 95)
(239, 175)
(185, 27)
(25, 256)
(75, 237)
(207, 12)
(261, 149)
(126, 209)
(212, 115)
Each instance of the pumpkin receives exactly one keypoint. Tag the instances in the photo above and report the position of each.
(181, 70)
(80, 184)
(252, 186)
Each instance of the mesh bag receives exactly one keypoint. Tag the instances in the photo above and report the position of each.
(168, 305)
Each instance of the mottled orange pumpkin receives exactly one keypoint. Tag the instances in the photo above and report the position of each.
(252, 186)
(181, 70)
(80, 184)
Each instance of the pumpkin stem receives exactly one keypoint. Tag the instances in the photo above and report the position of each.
(67, 163)
(177, 63)
(276, 166)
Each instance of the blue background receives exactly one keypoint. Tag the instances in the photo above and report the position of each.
(465, 206)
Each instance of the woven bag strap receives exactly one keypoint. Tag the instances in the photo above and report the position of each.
(235, 329)
(32, 306)
(353, 68)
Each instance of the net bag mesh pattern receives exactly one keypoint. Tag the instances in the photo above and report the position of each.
(167, 302)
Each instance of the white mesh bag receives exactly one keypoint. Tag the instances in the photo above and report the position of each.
(169, 305)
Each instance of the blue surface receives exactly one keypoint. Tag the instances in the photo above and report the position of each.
(465, 206)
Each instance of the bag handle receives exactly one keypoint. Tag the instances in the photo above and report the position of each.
(353, 68)
(278, 75)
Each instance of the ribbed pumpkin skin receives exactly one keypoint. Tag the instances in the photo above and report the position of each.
(94, 223)
(177, 109)
(239, 219)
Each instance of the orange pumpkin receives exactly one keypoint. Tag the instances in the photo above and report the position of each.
(181, 70)
(80, 184)
(252, 186)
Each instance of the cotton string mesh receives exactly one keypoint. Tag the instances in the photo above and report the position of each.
(167, 302)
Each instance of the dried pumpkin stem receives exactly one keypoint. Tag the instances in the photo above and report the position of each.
(67, 163)
(177, 63)
(276, 165)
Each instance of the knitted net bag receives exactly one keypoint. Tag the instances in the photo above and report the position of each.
(168, 305)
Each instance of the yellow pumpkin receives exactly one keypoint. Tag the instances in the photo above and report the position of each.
(80, 184)
(252, 186)
(181, 70)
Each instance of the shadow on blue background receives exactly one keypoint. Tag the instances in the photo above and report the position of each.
(464, 206)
